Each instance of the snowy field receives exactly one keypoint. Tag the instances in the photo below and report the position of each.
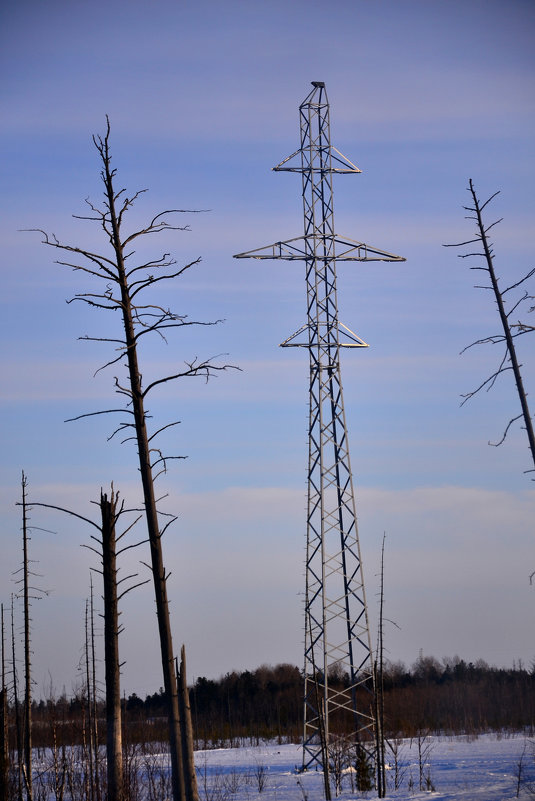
(482, 769)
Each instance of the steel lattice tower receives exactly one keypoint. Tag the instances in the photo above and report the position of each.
(338, 653)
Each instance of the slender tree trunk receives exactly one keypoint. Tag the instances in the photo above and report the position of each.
(91, 776)
(94, 693)
(158, 571)
(114, 746)
(379, 773)
(187, 731)
(27, 652)
(379, 692)
(18, 727)
(4, 751)
(323, 738)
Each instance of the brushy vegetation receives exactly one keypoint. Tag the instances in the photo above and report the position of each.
(248, 707)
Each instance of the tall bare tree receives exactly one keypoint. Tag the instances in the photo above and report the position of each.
(16, 709)
(27, 655)
(121, 284)
(28, 593)
(510, 330)
(379, 688)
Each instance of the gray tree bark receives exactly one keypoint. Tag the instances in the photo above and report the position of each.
(187, 731)
(114, 746)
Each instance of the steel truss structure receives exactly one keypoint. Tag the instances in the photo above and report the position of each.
(338, 654)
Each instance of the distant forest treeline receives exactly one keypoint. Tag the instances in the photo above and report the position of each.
(449, 696)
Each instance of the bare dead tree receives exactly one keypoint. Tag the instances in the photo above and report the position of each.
(379, 689)
(27, 655)
(4, 750)
(88, 683)
(94, 713)
(510, 330)
(106, 541)
(18, 724)
(91, 696)
(123, 285)
(28, 593)
(109, 515)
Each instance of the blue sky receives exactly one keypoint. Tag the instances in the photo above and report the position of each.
(203, 99)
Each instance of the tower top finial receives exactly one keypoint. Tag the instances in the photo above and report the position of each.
(318, 84)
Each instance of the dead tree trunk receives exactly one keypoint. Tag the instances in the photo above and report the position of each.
(18, 725)
(158, 571)
(379, 691)
(114, 746)
(111, 511)
(90, 745)
(187, 731)
(4, 750)
(94, 710)
(27, 652)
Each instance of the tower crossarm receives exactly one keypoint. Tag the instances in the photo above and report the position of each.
(299, 248)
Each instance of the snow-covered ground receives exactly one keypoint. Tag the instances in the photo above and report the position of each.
(474, 769)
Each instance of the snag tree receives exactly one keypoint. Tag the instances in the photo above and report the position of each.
(123, 287)
(510, 331)
(111, 510)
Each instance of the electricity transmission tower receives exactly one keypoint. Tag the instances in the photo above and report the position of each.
(338, 653)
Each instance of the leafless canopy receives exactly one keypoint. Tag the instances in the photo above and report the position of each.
(119, 292)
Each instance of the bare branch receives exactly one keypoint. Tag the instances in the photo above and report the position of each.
(93, 414)
(67, 511)
(518, 283)
(488, 227)
(129, 528)
(155, 227)
(486, 203)
(154, 279)
(111, 361)
(494, 340)
(90, 548)
(120, 428)
(163, 428)
(488, 382)
(517, 304)
(169, 523)
(460, 244)
(165, 459)
(129, 547)
(509, 424)
(204, 369)
(133, 587)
